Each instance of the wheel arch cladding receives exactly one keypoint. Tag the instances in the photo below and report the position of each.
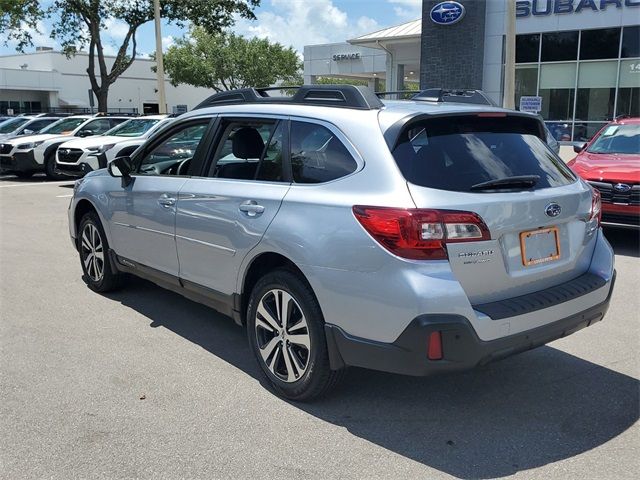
(83, 207)
(264, 263)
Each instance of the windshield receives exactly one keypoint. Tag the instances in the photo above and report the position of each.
(10, 125)
(460, 153)
(64, 126)
(133, 128)
(624, 139)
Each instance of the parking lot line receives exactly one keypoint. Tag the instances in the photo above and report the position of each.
(34, 184)
(65, 196)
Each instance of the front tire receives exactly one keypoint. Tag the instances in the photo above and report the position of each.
(24, 175)
(50, 168)
(285, 328)
(94, 248)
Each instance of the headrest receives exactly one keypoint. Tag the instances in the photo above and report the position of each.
(247, 143)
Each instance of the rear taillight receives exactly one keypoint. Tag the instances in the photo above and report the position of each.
(420, 234)
(596, 207)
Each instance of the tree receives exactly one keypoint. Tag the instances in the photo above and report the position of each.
(78, 24)
(225, 61)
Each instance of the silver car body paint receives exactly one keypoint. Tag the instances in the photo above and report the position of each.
(361, 287)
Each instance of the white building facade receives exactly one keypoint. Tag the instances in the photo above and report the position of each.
(582, 57)
(47, 80)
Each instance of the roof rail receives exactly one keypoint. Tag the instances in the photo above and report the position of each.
(460, 95)
(344, 96)
(397, 94)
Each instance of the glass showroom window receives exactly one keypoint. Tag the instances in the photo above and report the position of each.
(526, 81)
(595, 98)
(600, 44)
(527, 48)
(631, 42)
(629, 88)
(559, 46)
(557, 88)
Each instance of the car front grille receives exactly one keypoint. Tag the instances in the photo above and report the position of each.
(620, 193)
(69, 155)
(621, 219)
(5, 148)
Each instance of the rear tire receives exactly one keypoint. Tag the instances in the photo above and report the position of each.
(286, 334)
(93, 248)
(50, 167)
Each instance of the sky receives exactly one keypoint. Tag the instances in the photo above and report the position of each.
(293, 23)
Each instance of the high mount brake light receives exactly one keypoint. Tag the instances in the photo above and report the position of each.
(420, 234)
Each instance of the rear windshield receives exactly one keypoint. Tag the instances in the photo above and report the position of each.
(457, 153)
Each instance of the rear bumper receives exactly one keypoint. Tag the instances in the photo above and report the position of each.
(19, 162)
(462, 349)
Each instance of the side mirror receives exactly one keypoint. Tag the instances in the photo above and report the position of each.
(85, 133)
(121, 167)
(26, 131)
(580, 146)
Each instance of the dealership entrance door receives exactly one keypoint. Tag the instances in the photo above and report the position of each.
(150, 108)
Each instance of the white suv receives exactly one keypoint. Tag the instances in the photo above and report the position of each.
(26, 155)
(79, 156)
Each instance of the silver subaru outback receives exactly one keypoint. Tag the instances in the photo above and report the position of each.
(413, 237)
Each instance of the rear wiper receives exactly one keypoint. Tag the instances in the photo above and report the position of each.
(522, 181)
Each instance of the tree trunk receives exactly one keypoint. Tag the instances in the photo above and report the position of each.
(102, 95)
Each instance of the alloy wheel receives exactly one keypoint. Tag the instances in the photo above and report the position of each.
(92, 252)
(282, 335)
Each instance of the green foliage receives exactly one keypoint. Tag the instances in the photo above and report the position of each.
(225, 61)
(14, 16)
(78, 24)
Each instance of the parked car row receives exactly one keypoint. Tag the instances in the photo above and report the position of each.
(414, 237)
(24, 155)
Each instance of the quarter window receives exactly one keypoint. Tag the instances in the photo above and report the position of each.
(317, 155)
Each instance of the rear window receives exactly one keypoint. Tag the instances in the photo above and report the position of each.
(457, 153)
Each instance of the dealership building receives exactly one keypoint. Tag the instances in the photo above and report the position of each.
(47, 80)
(581, 57)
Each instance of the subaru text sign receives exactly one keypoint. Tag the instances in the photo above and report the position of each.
(447, 13)
(530, 104)
(525, 8)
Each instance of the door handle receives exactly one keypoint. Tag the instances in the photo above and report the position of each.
(166, 201)
(251, 208)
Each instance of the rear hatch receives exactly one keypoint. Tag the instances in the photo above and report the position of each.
(498, 166)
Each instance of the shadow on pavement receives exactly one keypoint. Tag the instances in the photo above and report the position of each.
(625, 241)
(523, 412)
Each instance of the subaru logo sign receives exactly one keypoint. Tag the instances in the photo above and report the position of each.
(447, 13)
(621, 187)
(553, 210)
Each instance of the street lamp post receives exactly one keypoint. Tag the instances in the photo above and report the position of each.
(508, 100)
(162, 99)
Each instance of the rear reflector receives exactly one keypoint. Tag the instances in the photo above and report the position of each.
(434, 348)
(420, 234)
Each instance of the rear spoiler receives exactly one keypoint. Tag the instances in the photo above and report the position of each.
(392, 134)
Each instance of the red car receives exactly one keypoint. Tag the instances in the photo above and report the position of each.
(610, 162)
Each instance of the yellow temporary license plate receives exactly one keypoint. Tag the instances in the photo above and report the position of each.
(540, 246)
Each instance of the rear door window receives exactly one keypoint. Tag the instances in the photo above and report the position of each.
(458, 153)
(250, 149)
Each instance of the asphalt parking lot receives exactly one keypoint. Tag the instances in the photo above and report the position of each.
(145, 384)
